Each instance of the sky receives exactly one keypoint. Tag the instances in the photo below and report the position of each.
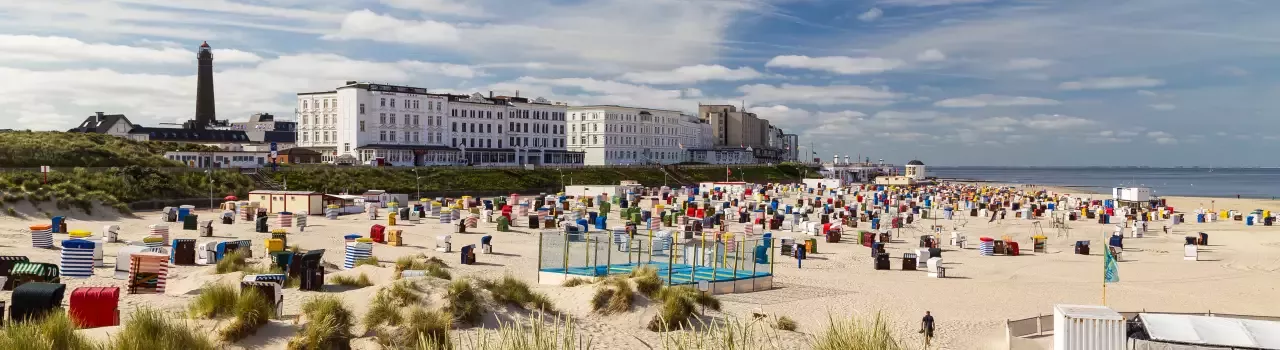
(949, 82)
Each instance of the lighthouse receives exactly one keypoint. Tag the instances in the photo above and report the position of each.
(205, 114)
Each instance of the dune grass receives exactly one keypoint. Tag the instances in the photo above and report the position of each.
(434, 266)
(463, 302)
(382, 311)
(252, 311)
(647, 280)
(857, 334)
(151, 329)
(349, 281)
(613, 296)
(404, 293)
(238, 261)
(679, 306)
(513, 291)
(536, 334)
(785, 323)
(214, 301)
(575, 281)
(328, 325)
(372, 260)
(54, 331)
(421, 328)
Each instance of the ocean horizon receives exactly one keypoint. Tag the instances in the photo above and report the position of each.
(1164, 181)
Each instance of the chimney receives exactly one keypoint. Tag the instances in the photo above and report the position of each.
(97, 118)
(490, 94)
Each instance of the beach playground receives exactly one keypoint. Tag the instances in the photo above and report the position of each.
(996, 262)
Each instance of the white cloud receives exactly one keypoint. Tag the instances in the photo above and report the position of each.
(57, 49)
(692, 74)
(1028, 63)
(837, 64)
(365, 24)
(1058, 122)
(989, 100)
(931, 55)
(929, 3)
(1110, 83)
(820, 95)
(1233, 71)
(692, 93)
(447, 7)
(1157, 134)
(1163, 107)
(873, 14)
(1148, 93)
(1166, 141)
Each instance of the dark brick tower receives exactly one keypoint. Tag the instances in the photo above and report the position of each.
(205, 114)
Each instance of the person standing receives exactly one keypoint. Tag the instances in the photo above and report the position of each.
(926, 327)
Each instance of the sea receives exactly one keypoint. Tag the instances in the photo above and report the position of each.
(1196, 182)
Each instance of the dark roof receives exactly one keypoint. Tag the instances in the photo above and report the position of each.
(915, 162)
(279, 136)
(298, 151)
(192, 135)
(406, 147)
(99, 124)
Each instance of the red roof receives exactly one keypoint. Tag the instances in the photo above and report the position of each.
(206, 44)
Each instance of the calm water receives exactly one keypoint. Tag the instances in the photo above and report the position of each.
(1253, 183)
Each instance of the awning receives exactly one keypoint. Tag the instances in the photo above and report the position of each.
(1212, 331)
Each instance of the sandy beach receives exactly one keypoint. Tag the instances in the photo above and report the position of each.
(1237, 273)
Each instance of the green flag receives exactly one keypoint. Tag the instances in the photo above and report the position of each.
(1111, 272)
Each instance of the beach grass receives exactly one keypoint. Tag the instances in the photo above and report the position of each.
(151, 329)
(513, 291)
(785, 323)
(238, 261)
(54, 331)
(422, 328)
(328, 325)
(613, 296)
(533, 334)
(382, 311)
(463, 302)
(647, 280)
(679, 306)
(252, 311)
(575, 281)
(373, 261)
(215, 300)
(349, 281)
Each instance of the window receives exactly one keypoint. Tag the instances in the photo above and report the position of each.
(455, 127)
(473, 143)
(473, 127)
(361, 126)
(455, 142)
(382, 118)
(499, 118)
(415, 120)
(326, 119)
(384, 102)
(304, 137)
(438, 107)
(393, 103)
(473, 114)
(361, 108)
(488, 128)
(499, 130)
(346, 147)
(499, 143)
(392, 120)
(382, 136)
(489, 143)
(391, 136)
(415, 137)
(453, 112)
(594, 140)
(488, 115)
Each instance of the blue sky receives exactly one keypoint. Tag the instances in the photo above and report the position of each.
(981, 82)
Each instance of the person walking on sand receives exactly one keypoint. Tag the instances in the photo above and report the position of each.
(926, 327)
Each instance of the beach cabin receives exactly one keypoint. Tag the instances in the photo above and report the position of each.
(381, 198)
(619, 190)
(290, 201)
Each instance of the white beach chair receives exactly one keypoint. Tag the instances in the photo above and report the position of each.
(1191, 252)
(444, 243)
(922, 258)
(934, 266)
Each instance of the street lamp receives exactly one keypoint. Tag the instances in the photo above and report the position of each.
(417, 182)
(209, 174)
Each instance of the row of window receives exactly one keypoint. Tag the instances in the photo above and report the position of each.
(535, 142)
(538, 128)
(635, 155)
(646, 118)
(409, 136)
(474, 143)
(408, 104)
(326, 103)
(316, 136)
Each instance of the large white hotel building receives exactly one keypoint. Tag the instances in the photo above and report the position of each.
(369, 123)
(364, 123)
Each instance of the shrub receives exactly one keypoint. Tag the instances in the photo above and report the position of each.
(516, 292)
(647, 280)
(252, 311)
(328, 325)
(150, 329)
(214, 301)
(574, 282)
(438, 271)
(54, 331)
(679, 307)
(423, 329)
(558, 334)
(358, 282)
(785, 323)
(402, 293)
(613, 296)
(372, 260)
(857, 334)
(236, 261)
(12, 212)
(382, 311)
(463, 303)
(433, 265)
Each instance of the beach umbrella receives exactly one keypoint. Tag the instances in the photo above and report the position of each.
(229, 198)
